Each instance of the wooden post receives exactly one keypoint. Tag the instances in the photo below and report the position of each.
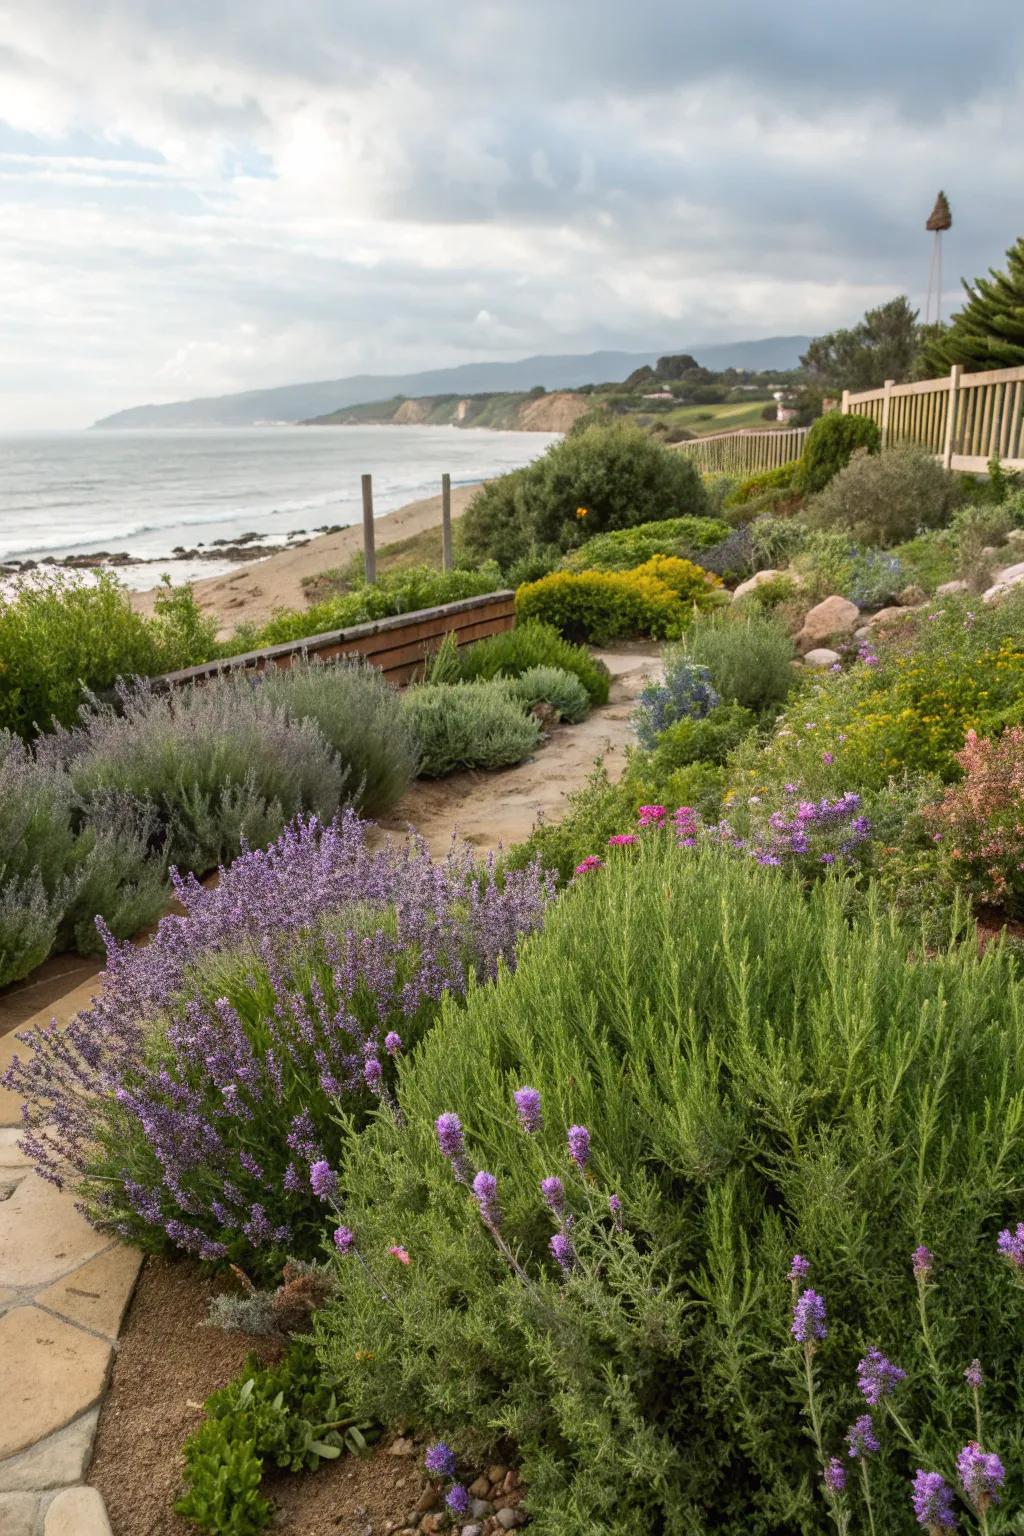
(447, 560)
(954, 390)
(886, 400)
(369, 551)
(846, 402)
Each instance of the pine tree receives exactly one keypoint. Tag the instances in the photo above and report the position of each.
(989, 331)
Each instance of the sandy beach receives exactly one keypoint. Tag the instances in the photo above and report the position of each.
(253, 591)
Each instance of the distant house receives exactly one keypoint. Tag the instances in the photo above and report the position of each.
(785, 411)
(660, 394)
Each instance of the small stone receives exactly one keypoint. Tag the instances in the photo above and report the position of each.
(511, 1481)
(496, 1474)
(480, 1509)
(428, 1499)
(508, 1518)
(471, 1530)
(821, 656)
(752, 583)
(951, 588)
(77, 1512)
(431, 1523)
(480, 1488)
(401, 1447)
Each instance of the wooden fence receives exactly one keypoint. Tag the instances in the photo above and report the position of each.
(962, 419)
(399, 646)
(747, 451)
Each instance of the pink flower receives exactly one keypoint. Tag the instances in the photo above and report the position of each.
(401, 1254)
(651, 815)
(589, 863)
(827, 758)
(622, 840)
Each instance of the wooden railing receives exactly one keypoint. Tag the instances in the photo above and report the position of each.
(963, 419)
(747, 451)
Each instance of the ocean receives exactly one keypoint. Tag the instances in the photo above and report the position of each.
(143, 493)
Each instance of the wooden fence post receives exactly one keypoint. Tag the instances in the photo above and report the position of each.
(886, 401)
(447, 560)
(846, 402)
(954, 391)
(369, 550)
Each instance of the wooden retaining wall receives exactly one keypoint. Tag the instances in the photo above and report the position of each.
(399, 646)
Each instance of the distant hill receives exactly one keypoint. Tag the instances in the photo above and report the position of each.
(299, 402)
(520, 412)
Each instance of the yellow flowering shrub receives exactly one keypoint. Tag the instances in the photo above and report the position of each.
(601, 606)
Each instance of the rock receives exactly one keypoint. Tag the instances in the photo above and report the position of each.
(912, 596)
(480, 1509)
(821, 656)
(401, 1447)
(834, 616)
(752, 583)
(497, 1473)
(508, 1519)
(77, 1512)
(1006, 579)
(428, 1499)
(511, 1481)
(432, 1523)
(471, 1530)
(480, 1488)
(884, 615)
(948, 588)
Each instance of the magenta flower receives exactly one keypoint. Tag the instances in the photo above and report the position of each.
(590, 863)
(622, 840)
(651, 815)
(528, 1109)
(401, 1254)
(578, 1138)
(827, 759)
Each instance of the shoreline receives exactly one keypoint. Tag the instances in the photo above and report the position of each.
(253, 590)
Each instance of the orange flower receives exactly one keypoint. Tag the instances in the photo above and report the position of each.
(581, 511)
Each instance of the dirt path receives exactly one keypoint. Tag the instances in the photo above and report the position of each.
(491, 810)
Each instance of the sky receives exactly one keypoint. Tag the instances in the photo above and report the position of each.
(204, 196)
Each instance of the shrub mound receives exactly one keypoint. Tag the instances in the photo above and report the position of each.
(829, 446)
(468, 725)
(593, 481)
(559, 690)
(684, 537)
(754, 1074)
(532, 644)
(883, 499)
(749, 659)
(657, 598)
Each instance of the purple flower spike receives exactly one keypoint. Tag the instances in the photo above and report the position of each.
(449, 1136)
(553, 1193)
(799, 1268)
(877, 1377)
(485, 1187)
(1011, 1245)
(933, 1501)
(922, 1261)
(561, 1247)
(344, 1239)
(373, 1074)
(809, 1319)
(323, 1180)
(578, 1138)
(861, 1437)
(440, 1460)
(981, 1474)
(457, 1499)
(835, 1476)
(528, 1110)
(392, 1043)
(973, 1376)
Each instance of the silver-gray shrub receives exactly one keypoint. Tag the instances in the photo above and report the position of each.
(360, 715)
(553, 686)
(468, 725)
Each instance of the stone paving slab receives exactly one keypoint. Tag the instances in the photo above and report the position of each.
(50, 1372)
(77, 1512)
(96, 1295)
(59, 1461)
(18, 1513)
(42, 1235)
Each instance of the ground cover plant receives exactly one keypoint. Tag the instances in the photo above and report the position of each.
(529, 644)
(683, 537)
(604, 1165)
(197, 1102)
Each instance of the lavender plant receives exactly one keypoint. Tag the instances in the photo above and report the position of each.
(686, 694)
(200, 1099)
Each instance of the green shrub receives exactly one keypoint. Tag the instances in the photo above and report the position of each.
(778, 479)
(701, 741)
(749, 657)
(930, 559)
(590, 482)
(402, 591)
(829, 446)
(760, 1074)
(719, 488)
(63, 637)
(683, 537)
(468, 725)
(777, 591)
(285, 1414)
(657, 599)
(593, 814)
(561, 691)
(531, 644)
(360, 716)
(884, 499)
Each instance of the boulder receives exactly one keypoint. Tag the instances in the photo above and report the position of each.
(821, 656)
(834, 616)
(883, 617)
(912, 596)
(1005, 580)
(950, 588)
(753, 582)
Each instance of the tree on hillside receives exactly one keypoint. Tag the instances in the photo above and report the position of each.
(989, 331)
(884, 345)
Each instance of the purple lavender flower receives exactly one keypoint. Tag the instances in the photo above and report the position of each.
(981, 1475)
(933, 1501)
(809, 1321)
(562, 1249)
(449, 1136)
(323, 1180)
(1011, 1245)
(344, 1239)
(485, 1188)
(615, 1206)
(877, 1377)
(528, 1109)
(440, 1460)
(392, 1042)
(861, 1437)
(457, 1499)
(799, 1268)
(578, 1138)
(973, 1376)
(373, 1074)
(835, 1476)
(922, 1260)
(553, 1194)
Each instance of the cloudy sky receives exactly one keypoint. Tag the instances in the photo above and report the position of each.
(203, 196)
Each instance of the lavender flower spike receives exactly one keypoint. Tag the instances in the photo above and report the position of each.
(440, 1460)
(553, 1194)
(323, 1180)
(809, 1319)
(344, 1239)
(835, 1476)
(981, 1475)
(1011, 1245)
(578, 1138)
(392, 1042)
(485, 1188)
(528, 1109)
(877, 1377)
(922, 1260)
(933, 1502)
(861, 1437)
(973, 1376)
(561, 1247)
(799, 1268)
(449, 1136)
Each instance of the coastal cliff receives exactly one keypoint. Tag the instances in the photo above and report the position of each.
(535, 411)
